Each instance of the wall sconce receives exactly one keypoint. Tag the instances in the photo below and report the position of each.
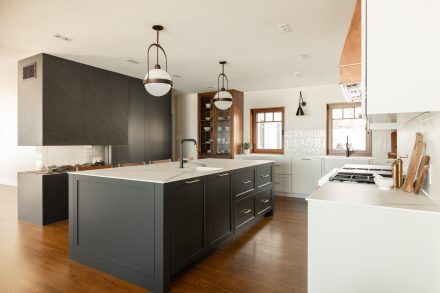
(301, 103)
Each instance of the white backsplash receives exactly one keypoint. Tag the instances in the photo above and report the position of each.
(304, 142)
(381, 143)
(313, 143)
(429, 126)
(68, 155)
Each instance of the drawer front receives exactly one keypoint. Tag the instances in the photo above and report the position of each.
(264, 175)
(282, 166)
(244, 211)
(243, 183)
(282, 183)
(263, 201)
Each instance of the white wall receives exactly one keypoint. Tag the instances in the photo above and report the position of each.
(304, 135)
(429, 126)
(317, 97)
(185, 123)
(13, 158)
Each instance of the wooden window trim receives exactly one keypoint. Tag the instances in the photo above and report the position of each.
(254, 113)
(366, 153)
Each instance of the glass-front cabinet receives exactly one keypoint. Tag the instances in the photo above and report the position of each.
(220, 131)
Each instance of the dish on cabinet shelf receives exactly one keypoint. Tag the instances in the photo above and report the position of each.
(207, 128)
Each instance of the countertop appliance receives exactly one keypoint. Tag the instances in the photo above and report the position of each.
(360, 173)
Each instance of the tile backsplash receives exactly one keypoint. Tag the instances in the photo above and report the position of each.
(429, 126)
(68, 155)
(304, 142)
(313, 143)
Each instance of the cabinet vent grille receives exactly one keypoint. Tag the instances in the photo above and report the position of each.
(30, 71)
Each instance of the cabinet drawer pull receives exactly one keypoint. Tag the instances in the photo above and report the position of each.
(305, 159)
(224, 174)
(247, 211)
(247, 182)
(264, 201)
(277, 183)
(192, 181)
(265, 176)
(277, 165)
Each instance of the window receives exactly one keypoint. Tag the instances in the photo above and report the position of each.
(345, 121)
(268, 130)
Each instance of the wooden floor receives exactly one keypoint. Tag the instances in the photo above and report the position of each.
(272, 257)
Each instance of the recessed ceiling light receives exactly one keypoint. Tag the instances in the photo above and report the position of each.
(132, 61)
(177, 76)
(306, 56)
(285, 27)
(64, 38)
(297, 74)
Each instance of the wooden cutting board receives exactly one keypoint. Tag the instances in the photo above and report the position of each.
(421, 174)
(416, 156)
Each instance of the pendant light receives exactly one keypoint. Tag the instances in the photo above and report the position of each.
(301, 103)
(157, 82)
(223, 99)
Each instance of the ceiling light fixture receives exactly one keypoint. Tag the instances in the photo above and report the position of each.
(223, 99)
(157, 81)
(285, 27)
(301, 103)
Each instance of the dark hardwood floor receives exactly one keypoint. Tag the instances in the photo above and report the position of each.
(271, 257)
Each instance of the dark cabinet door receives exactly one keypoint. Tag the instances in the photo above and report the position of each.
(164, 126)
(62, 87)
(187, 223)
(151, 146)
(136, 128)
(104, 106)
(218, 208)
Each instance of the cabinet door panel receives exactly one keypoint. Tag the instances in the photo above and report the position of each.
(62, 89)
(151, 147)
(104, 107)
(188, 217)
(136, 130)
(306, 173)
(219, 208)
(164, 126)
(402, 56)
(282, 183)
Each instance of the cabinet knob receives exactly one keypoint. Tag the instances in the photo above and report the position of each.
(192, 181)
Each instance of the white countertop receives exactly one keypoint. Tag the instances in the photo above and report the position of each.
(169, 172)
(313, 156)
(371, 195)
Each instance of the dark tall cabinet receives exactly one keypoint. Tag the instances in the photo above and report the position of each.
(149, 127)
(62, 102)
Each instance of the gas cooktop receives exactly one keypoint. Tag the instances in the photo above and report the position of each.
(360, 174)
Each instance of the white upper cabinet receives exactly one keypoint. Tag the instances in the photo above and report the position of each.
(401, 55)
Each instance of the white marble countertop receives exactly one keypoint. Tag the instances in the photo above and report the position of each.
(313, 156)
(170, 172)
(371, 195)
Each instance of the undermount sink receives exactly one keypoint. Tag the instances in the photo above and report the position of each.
(204, 169)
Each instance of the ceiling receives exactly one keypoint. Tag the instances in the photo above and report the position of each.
(198, 34)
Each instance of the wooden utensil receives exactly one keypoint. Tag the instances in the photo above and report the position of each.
(421, 174)
(416, 155)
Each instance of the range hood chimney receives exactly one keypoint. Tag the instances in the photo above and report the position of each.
(350, 62)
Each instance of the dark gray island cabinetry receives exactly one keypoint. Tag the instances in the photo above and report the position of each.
(148, 224)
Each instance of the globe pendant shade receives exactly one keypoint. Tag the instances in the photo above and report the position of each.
(223, 100)
(157, 82)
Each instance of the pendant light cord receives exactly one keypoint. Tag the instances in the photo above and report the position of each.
(157, 47)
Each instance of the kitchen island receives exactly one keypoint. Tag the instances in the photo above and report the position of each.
(147, 224)
(362, 239)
